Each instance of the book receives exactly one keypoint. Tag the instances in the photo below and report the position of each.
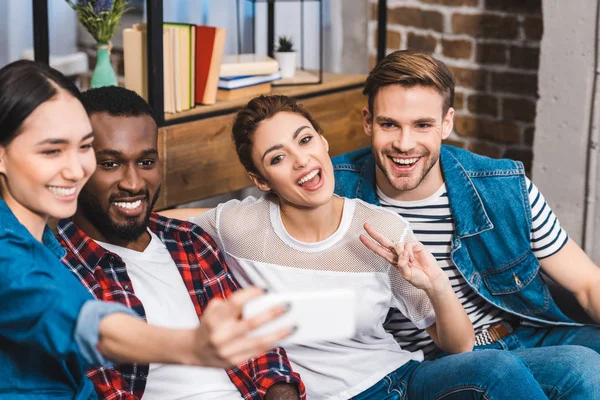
(135, 59)
(245, 92)
(237, 82)
(183, 59)
(247, 64)
(168, 71)
(210, 42)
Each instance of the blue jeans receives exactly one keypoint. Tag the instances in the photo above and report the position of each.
(485, 374)
(555, 363)
(564, 360)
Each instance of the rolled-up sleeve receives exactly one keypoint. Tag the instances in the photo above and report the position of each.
(86, 330)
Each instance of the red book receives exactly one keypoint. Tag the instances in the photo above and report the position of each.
(210, 42)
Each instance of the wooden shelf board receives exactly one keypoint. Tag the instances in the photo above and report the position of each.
(331, 82)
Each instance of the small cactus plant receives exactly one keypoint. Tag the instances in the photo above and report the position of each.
(285, 44)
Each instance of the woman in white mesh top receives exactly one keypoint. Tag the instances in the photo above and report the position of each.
(299, 236)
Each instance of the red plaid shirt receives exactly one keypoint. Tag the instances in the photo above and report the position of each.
(205, 275)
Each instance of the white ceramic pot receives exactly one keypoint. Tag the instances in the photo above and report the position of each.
(287, 63)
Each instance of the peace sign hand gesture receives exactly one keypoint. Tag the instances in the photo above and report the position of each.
(415, 263)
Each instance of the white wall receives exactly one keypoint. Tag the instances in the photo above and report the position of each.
(567, 67)
(16, 28)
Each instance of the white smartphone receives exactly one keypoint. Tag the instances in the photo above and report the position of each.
(317, 316)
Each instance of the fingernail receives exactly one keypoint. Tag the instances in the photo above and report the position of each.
(293, 329)
(287, 307)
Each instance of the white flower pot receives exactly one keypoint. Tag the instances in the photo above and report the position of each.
(287, 63)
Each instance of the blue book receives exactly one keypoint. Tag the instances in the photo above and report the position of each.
(236, 82)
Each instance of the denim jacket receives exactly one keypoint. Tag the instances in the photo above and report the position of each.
(48, 320)
(491, 244)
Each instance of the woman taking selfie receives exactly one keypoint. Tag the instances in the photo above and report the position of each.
(299, 237)
(51, 328)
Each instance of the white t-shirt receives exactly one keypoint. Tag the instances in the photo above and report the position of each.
(433, 224)
(167, 303)
(260, 251)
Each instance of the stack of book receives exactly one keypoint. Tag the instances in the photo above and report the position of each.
(246, 76)
(191, 62)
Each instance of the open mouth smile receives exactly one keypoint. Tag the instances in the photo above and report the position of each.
(311, 181)
(405, 162)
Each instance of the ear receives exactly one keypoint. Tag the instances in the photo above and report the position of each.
(259, 182)
(2, 163)
(448, 123)
(325, 142)
(367, 121)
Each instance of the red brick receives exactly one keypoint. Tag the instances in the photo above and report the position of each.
(518, 110)
(523, 155)
(374, 11)
(457, 48)
(392, 40)
(533, 27)
(456, 143)
(421, 42)
(470, 78)
(486, 25)
(485, 129)
(486, 149)
(409, 16)
(483, 104)
(459, 100)
(525, 57)
(512, 82)
(491, 53)
(515, 6)
(453, 2)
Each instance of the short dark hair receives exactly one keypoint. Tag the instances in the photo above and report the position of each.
(115, 101)
(24, 86)
(410, 68)
(256, 111)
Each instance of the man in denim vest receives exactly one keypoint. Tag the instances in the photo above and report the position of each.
(487, 224)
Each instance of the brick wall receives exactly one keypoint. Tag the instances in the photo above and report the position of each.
(492, 47)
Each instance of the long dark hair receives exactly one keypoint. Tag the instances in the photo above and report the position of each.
(24, 86)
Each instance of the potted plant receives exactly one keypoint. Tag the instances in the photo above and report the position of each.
(100, 19)
(286, 56)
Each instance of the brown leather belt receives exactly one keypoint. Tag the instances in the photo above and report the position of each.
(494, 332)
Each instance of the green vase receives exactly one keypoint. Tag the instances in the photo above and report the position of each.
(103, 73)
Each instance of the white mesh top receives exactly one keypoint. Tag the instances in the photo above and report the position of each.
(260, 251)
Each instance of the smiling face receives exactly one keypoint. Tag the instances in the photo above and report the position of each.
(407, 129)
(292, 160)
(116, 203)
(48, 162)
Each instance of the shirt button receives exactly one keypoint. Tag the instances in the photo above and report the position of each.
(141, 375)
(190, 258)
(126, 287)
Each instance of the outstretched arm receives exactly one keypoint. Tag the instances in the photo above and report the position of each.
(453, 331)
(220, 341)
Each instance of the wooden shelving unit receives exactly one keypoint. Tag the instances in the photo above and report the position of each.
(195, 146)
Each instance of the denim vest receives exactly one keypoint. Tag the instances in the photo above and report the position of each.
(491, 244)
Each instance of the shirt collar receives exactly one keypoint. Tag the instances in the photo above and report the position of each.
(10, 221)
(81, 246)
(470, 217)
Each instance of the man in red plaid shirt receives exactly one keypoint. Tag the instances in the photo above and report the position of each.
(115, 244)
